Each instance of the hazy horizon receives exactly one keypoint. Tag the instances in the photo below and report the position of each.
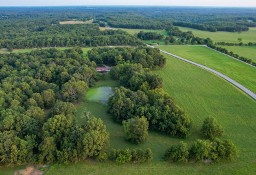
(181, 3)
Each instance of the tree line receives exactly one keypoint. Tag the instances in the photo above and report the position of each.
(147, 57)
(212, 148)
(232, 54)
(56, 35)
(214, 27)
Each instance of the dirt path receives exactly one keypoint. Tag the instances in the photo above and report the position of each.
(238, 85)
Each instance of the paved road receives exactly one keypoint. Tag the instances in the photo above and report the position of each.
(244, 89)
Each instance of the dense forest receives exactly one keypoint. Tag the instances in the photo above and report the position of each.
(147, 57)
(37, 116)
(55, 35)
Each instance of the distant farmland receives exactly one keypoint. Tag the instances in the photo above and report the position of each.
(231, 37)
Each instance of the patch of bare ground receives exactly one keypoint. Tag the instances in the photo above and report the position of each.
(30, 170)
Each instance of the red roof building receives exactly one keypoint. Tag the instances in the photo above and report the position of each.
(103, 69)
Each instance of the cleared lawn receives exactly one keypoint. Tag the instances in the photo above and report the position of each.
(231, 37)
(246, 51)
(240, 72)
(201, 94)
(136, 31)
(75, 22)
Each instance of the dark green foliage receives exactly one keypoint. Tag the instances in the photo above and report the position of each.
(103, 156)
(134, 77)
(65, 108)
(14, 150)
(200, 150)
(35, 125)
(149, 36)
(156, 105)
(65, 141)
(176, 36)
(177, 153)
(73, 90)
(214, 26)
(133, 155)
(211, 129)
(136, 129)
(147, 57)
(61, 36)
(215, 150)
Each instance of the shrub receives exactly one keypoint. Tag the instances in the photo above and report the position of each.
(211, 129)
(103, 156)
(124, 156)
(200, 150)
(134, 155)
(177, 153)
(136, 129)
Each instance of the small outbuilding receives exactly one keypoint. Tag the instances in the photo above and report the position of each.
(103, 69)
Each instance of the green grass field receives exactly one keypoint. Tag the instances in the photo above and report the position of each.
(201, 94)
(136, 31)
(231, 37)
(240, 72)
(246, 51)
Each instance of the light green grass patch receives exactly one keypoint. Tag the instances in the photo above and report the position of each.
(245, 51)
(70, 22)
(239, 71)
(136, 31)
(99, 94)
(230, 37)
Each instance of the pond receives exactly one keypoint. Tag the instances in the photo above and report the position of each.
(100, 94)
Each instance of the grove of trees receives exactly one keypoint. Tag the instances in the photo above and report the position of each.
(147, 57)
(37, 117)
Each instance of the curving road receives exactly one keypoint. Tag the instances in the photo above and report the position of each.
(244, 89)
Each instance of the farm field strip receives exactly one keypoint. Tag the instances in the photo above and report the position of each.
(244, 89)
(230, 37)
(234, 69)
(230, 56)
(245, 51)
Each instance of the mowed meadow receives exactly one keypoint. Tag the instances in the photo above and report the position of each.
(230, 37)
(237, 70)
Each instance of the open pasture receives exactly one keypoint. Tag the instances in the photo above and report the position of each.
(245, 51)
(230, 37)
(239, 71)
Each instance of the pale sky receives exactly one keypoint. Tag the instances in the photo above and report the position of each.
(228, 3)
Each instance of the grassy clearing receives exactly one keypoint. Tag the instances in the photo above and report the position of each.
(75, 22)
(240, 72)
(201, 94)
(136, 31)
(100, 94)
(231, 37)
(246, 51)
